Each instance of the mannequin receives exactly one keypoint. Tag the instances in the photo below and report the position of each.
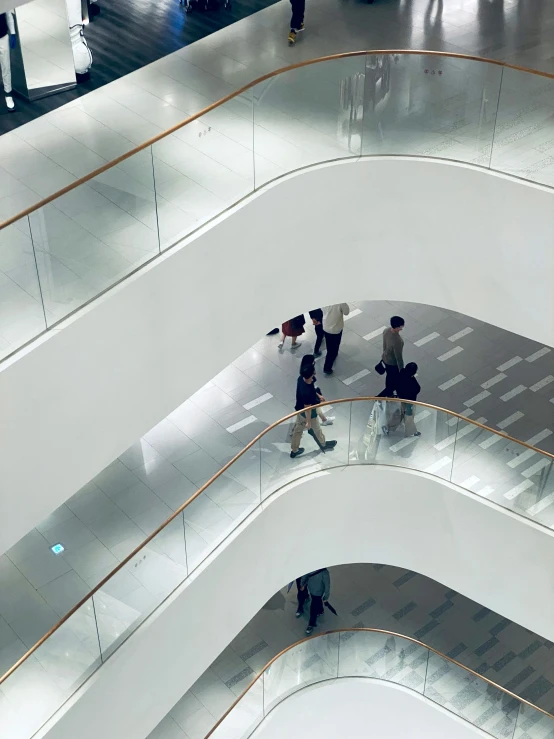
(7, 42)
(82, 55)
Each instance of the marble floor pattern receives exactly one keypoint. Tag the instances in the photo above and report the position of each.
(498, 378)
(95, 235)
(398, 600)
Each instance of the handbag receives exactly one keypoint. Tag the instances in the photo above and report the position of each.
(380, 367)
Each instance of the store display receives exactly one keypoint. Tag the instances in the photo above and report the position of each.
(82, 55)
(7, 42)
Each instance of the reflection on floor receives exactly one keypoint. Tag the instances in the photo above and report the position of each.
(383, 597)
(92, 237)
(101, 524)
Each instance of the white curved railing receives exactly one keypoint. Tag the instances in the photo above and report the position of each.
(383, 655)
(66, 250)
(450, 445)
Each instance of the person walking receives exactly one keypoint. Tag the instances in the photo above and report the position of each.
(293, 328)
(297, 19)
(393, 346)
(308, 360)
(306, 396)
(318, 584)
(317, 319)
(333, 324)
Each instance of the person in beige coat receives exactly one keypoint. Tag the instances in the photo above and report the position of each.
(333, 324)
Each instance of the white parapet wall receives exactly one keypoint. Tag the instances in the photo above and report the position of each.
(352, 514)
(400, 229)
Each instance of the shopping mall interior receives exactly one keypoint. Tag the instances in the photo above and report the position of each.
(213, 216)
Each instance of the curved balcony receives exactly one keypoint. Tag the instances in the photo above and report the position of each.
(384, 656)
(368, 431)
(68, 249)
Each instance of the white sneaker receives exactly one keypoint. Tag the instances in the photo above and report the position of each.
(328, 421)
(295, 346)
(9, 102)
(280, 345)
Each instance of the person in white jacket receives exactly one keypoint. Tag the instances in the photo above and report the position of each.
(333, 324)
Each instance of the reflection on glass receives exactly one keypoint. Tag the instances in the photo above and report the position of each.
(435, 106)
(308, 662)
(525, 127)
(93, 236)
(532, 723)
(21, 310)
(403, 434)
(32, 694)
(383, 656)
(245, 716)
(128, 597)
(308, 115)
(470, 697)
(203, 168)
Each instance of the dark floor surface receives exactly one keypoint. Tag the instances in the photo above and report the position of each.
(127, 35)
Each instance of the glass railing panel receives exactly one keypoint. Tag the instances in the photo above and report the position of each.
(21, 311)
(219, 509)
(95, 235)
(470, 697)
(525, 127)
(424, 105)
(308, 662)
(50, 675)
(308, 115)
(383, 656)
(136, 590)
(384, 433)
(292, 436)
(505, 472)
(204, 168)
(533, 724)
(245, 716)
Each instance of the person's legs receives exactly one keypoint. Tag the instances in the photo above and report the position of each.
(316, 608)
(319, 338)
(299, 426)
(409, 420)
(317, 430)
(391, 381)
(333, 342)
(302, 596)
(297, 19)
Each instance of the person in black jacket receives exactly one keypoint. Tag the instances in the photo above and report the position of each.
(408, 388)
(317, 319)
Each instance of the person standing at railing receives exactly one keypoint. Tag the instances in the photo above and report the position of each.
(297, 19)
(308, 360)
(318, 584)
(393, 347)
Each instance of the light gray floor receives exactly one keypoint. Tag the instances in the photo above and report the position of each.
(384, 597)
(110, 516)
(96, 235)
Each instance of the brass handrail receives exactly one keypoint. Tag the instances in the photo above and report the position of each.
(218, 474)
(244, 88)
(376, 631)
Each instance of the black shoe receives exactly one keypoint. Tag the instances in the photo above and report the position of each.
(297, 453)
(330, 444)
(309, 630)
(299, 613)
(317, 354)
(328, 372)
(272, 332)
